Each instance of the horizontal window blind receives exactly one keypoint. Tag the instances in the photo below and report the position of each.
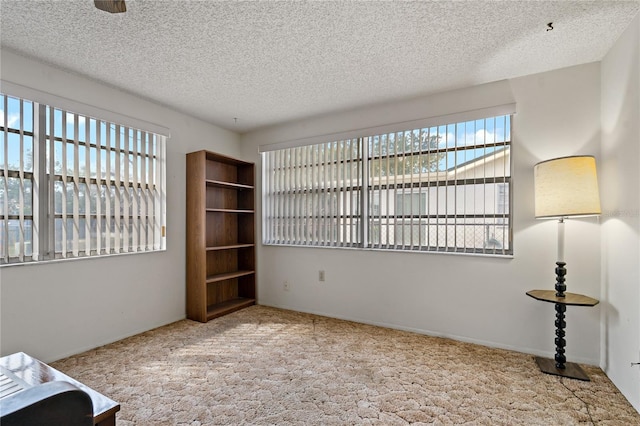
(74, 186)
(442, 188)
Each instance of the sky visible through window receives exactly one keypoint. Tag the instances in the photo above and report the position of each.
(466, 134)
(466, 137)
(61, 122)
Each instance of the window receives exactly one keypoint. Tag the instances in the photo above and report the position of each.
(443, 188)
(72, 185)
(314, 195)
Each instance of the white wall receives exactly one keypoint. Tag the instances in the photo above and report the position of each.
(620, 192)
(57, 309)
(471, 298)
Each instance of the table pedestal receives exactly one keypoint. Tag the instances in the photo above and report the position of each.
(559, 365)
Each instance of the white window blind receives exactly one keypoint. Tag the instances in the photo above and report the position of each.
(314, 194)
(442, 188)
(73, 185)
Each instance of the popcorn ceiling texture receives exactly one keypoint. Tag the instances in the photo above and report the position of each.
(270, 62)
(266, 366)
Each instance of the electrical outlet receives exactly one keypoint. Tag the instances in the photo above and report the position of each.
(286, 286)
(320, 275)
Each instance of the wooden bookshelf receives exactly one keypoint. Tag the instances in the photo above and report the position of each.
(220, 236)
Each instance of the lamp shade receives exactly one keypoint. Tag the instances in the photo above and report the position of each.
(566, 186)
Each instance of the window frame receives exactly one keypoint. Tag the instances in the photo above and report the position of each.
(88, 187)
(369, 190)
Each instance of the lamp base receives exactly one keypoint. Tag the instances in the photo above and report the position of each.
(570, 370)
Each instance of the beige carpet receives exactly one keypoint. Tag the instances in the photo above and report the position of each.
(266, 366)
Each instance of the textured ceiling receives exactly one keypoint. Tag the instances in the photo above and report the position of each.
(271, 62)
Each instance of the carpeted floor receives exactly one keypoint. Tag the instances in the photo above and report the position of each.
(267, 366)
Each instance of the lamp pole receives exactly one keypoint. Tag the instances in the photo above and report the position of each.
(561, 271)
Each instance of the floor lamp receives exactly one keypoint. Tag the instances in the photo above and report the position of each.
(564, 187)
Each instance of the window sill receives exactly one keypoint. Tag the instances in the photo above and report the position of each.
(454, 253)
(72, 259)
